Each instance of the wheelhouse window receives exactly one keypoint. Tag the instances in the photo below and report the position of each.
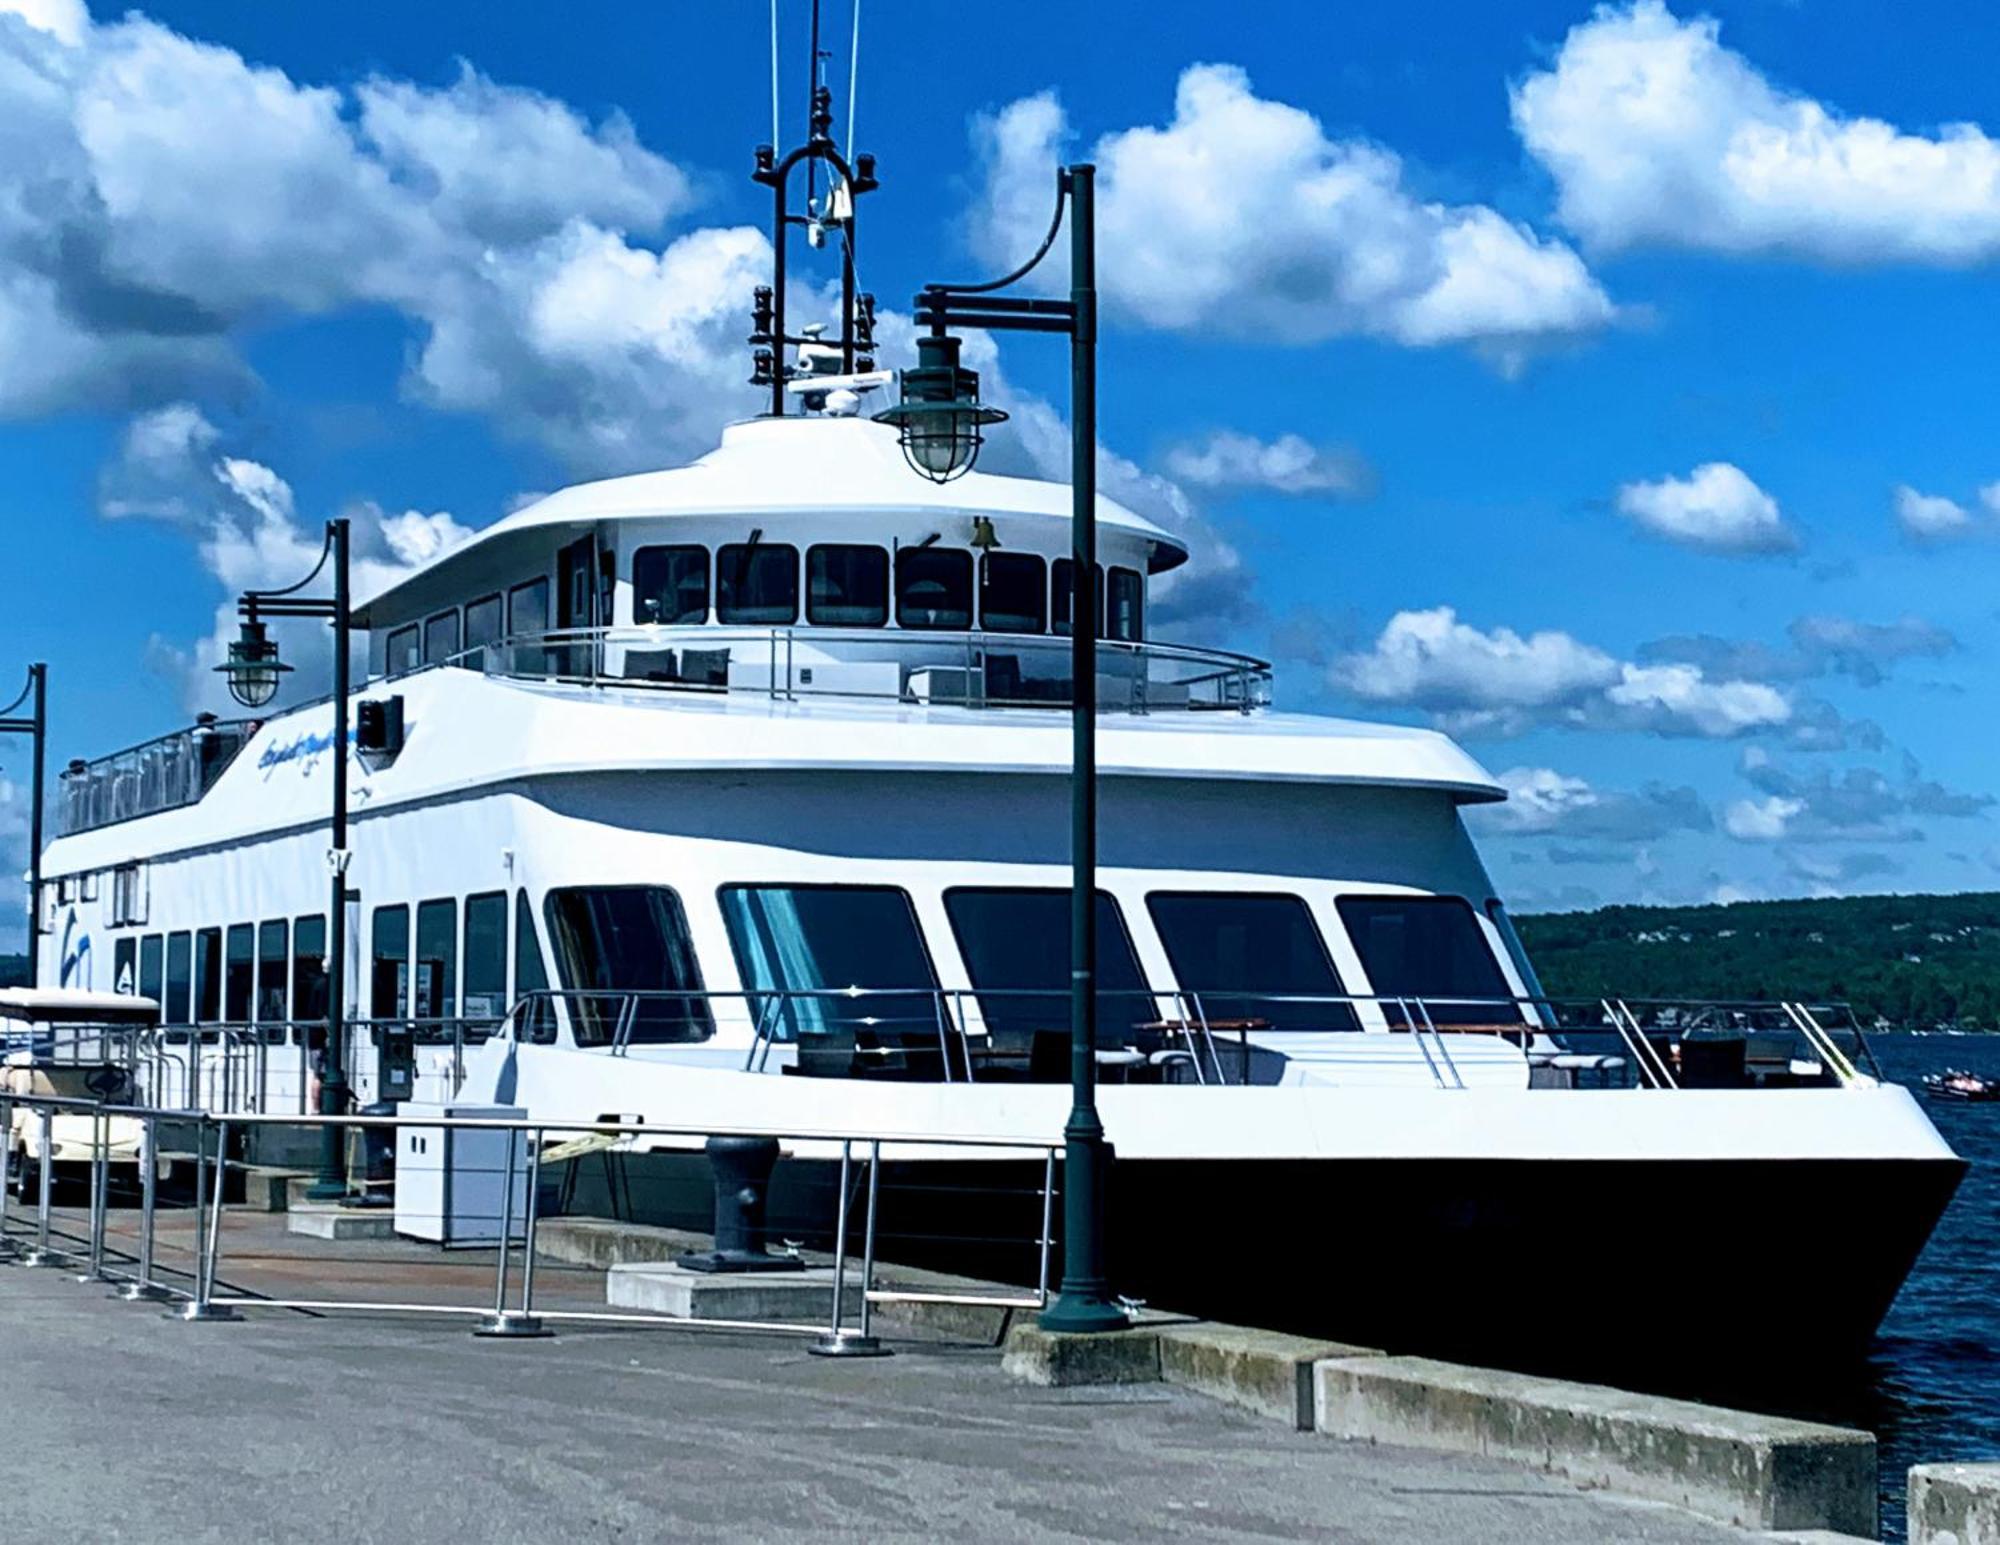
(615, 940)
(1125, 618)
(208, 976)
(486, 956)
(757, 583)
(482, 622)
(178, 1009)
(1013, 593)
(405, 651)
(933, 588)
(272, 939)
(528, 609)
(847, 949)
(239, 974)
(1429, 947)
(531, 975)
(847, 586)
(389, 964)
(152, 970)
(1016, 948)
(435, 984)
(441, 638)
(1062, 582)
(309, 985)
(670, 585)
(1244, 956)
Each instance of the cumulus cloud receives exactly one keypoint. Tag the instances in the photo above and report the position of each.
(1544, 802)
(1500, 682)
(1760, 820)
(1817, 645)
(1860, 804)
(1290, 464)
(1242, 217)
(1655, 133)
(1930, 517)
(244, 520)
(1716, 508)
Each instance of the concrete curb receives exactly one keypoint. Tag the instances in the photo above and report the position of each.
(1759, 1472)
(1955, 1504)
(1261, 1370)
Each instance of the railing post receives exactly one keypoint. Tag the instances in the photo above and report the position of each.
(41, 1254)
(841, 1342)
(1048, 1226)
(207, 1247)
(8, 1249)
(502, 1322)
(829, 1344)
(93, 1269)
(142, 1287)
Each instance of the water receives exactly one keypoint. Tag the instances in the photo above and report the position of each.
(1931, 1390)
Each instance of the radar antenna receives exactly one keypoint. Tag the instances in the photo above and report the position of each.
(831, 212)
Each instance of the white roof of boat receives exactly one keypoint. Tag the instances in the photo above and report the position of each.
(42, 1002)
(799, 464)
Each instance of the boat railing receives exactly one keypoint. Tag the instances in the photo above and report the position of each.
(1223, 1037)
(890, 665)
(162, 774)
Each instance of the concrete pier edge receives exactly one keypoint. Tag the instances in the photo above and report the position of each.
(1954, 1504)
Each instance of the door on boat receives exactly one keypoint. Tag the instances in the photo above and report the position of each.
(576, 601)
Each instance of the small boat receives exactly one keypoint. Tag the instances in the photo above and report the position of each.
(1958, 1084)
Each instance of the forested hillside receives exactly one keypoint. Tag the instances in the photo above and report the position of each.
(13, 970)
(1922, 961)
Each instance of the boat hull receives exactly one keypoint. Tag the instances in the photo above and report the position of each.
(1666, 1271)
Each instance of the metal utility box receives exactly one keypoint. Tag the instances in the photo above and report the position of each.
(452, 1183)
(395, 1064)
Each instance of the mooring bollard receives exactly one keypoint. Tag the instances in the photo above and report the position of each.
(142, 1288)
(199, 1307)
(502, 1321)
(41, 1254)
(742, 1168)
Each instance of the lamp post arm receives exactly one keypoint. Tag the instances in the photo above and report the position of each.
(1063, 188)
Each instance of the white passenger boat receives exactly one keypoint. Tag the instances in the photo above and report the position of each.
(737, 793)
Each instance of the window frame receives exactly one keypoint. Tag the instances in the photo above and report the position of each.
(413, 654)
(1147, 994)
(207, 997)
(1341, 989)
(244, 934)
(154, 945)
(961, 557)
(1438, 902)
(180, 1010)
(909, 902)
(1064, 625)
(707, 585)
(539, 585)
(752, 551)
(309, 978)
(1041, 592)
(498, 603)
(1113, 576)
(281, 962)
(580, 998)
(888, 584)
(439, 912)
(431, 624)
(400, 997)
(465, 958)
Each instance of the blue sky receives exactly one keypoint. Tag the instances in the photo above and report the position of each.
(1603, 385)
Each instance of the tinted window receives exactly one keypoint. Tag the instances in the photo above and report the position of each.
(207, 975)
(309, 988)
(482, 622)
(847, 587)
(610, 940)
(530, 975)
(179, 1007)
(528, 608)
(670, 585)
(125, 966)
(1236, 952)
(403, 652)
(1062, 584)
(389, 964)
(239, 974)
(933, 588)
(486, 956)
(441, 638)
(1429, 947)
(1016, 949)
(1013, 593)
(1127, 615)
(435, 981)
(812, 938)
(271, 941)
(757, 583)
(152, 967)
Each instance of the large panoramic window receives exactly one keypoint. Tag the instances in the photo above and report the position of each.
(1016, 949)
(208, 976)
(178, 1008)
(1062, 586)
(389, 964)
(1429, 947)
(239, 974)
(486, 956)
(1013, 593)
(435, 981)
(627, 946)
(1126, 615)
(670, 585)
(838, 945)
(309, 986)
(757, 583)
(847, 586)
(1242, 955)
(272, 939)
(933, 588)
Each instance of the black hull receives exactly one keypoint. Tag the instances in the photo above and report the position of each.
(1671, 1271)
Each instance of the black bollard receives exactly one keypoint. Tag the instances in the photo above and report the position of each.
(742, 1167)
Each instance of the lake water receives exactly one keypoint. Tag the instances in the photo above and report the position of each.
(1932, 1388)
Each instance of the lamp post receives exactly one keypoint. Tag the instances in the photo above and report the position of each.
(253, 670)
(35, 725)
(942, 421)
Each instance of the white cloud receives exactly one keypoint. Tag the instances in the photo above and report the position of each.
(1243, 217)
(1290, 464)
(1657, 134)
(1500, 682)
(1544, 802)
(63, 19)
(1930, 517)
(1760, 820)
(1716, 508)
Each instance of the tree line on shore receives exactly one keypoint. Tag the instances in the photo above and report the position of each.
(1924, 962)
